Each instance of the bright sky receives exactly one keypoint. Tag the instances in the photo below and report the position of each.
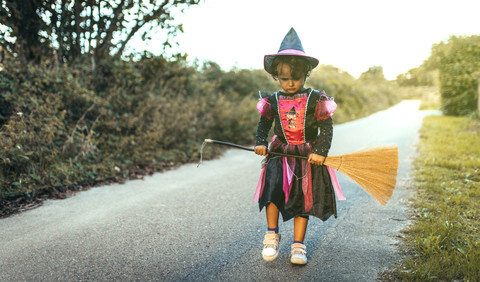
(352, 35)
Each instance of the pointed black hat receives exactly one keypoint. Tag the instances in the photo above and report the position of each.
(291, 46)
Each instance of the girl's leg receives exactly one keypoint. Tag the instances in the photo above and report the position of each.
(270, 243)
(298, 248)
(272, 216)
(299, 228)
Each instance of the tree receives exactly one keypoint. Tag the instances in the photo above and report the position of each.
(459, 71)
(37, 29)
(23, 24)
(374, 73)
(420, 76)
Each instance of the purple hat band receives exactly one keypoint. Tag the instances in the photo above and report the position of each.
(268, 59)
(292, 52)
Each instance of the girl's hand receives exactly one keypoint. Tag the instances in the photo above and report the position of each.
(261, 150)
(316, 159)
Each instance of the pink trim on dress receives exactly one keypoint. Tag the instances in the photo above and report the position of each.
(288, 167)
(324, 109)
(260, 185)
(336, 185)
(307, 186)
(265, 109)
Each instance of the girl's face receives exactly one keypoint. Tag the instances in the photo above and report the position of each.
(287, 82)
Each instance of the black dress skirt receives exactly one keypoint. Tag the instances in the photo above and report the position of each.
(322, 191)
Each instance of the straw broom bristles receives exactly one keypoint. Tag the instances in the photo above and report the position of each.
(375, 170)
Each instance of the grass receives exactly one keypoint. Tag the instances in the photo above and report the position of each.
(443, 242)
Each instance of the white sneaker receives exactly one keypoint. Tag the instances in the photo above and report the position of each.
(299, 254)
(270, 246)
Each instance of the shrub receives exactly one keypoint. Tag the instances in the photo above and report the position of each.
(356, 97)
(459, 74)
(454, 66)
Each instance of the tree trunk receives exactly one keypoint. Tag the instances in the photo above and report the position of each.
(28, 25)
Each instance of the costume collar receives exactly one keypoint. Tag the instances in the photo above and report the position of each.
(301, 91)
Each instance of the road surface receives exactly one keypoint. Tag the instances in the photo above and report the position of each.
(201, 224)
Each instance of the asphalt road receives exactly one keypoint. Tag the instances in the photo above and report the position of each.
(201, 224)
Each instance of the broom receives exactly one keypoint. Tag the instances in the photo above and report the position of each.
(374, 169)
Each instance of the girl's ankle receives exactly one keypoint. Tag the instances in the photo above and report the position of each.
(273, 229)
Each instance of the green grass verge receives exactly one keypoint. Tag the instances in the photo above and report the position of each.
(443, 242)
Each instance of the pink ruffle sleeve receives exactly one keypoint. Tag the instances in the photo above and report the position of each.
(325, 107)
(265, 108)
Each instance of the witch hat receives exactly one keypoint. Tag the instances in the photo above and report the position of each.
(291, 46)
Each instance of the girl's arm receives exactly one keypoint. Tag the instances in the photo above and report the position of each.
(265, 123)
(324, 138)
(263, 128)
(322, 143)
(323, 113)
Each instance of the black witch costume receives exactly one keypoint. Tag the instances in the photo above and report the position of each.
(303, 125)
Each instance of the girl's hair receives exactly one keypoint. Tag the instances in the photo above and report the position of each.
(299, 66)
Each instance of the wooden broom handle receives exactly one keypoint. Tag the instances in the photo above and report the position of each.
(253, 150)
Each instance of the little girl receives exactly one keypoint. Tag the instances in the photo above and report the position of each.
(294, 187)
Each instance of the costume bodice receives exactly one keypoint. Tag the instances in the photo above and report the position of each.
(291, 110)
(300, 118)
